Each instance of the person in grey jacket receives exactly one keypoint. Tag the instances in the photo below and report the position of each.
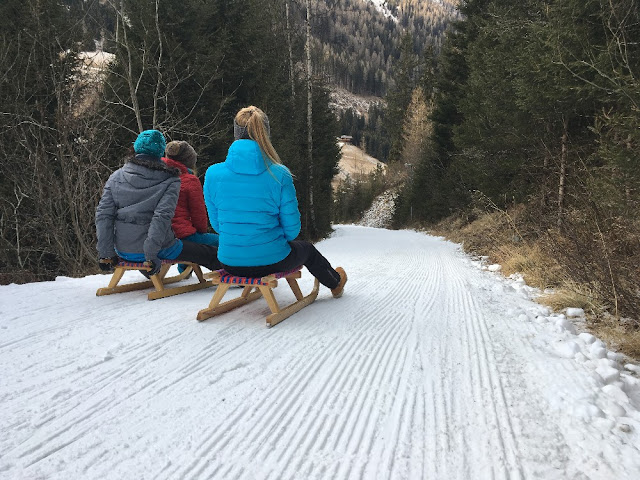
(133, 218)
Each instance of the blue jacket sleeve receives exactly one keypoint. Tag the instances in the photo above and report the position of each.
(209, 199)
(289, 215)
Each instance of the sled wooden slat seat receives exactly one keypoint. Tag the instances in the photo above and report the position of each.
(254, 288)
(158, 281)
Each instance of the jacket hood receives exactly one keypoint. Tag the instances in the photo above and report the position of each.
(245, 157)
(171, 163)
(143, 171)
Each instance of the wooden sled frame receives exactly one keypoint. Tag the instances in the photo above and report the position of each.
(263, 288)
(158, 281)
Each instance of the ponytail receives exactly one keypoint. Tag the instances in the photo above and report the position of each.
(253, 123)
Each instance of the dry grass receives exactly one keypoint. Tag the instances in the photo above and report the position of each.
(623, 336)
(355, 164)
(482, 235)
(571, 295)
(538, 269)
(498, 235)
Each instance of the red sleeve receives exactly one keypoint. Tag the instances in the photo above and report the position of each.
(197, 209)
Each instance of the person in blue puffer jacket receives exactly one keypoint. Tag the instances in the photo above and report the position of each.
(252, 204)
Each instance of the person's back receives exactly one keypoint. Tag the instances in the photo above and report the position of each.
(136, 206)
(190, 221)
(251, 202)
(133, 217)
(137, 191)
(256, 210)
(191, 214)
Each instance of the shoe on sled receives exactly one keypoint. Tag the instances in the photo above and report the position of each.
(337, 292)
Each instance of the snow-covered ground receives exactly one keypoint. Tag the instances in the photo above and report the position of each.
(381, 6)
(429, 366)
(380, 214)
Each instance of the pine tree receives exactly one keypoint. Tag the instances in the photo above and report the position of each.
(399, 97)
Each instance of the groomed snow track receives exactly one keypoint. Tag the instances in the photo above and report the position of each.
(427, 368)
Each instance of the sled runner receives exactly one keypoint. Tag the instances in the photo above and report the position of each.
(158, 281)
(263, 287)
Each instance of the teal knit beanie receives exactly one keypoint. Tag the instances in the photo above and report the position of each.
(150, 142)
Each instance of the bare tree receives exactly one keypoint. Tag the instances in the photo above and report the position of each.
(417, 128)
(131, 81)
(151, 67)
(310, 120)
(53, 142)
(564, 154)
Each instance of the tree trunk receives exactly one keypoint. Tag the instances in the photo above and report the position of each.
(156, 94)
(545, 169)
(563, 171)
(544, 197)
(311, 212)
(132, 87)
(291, 77)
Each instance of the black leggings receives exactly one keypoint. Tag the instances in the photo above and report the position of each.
(302, 253)
(205, 255)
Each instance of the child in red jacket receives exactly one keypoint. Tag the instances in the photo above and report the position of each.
(190, 222)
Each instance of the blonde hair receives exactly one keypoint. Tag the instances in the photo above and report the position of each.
(256, 123)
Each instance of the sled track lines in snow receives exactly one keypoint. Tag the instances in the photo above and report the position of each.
(297, 415)
(427, 368)
(482, 382)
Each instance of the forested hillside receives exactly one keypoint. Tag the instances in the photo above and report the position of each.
(534, 115)
(357, 46)
(182, 66)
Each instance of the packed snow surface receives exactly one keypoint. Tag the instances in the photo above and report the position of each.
(430, 366)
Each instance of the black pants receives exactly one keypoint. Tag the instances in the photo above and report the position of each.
(199, 253)
(302, 253)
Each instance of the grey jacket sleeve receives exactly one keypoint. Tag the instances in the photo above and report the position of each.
(105, 220)
(161, 221)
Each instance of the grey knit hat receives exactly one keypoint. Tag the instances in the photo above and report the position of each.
(182, 152)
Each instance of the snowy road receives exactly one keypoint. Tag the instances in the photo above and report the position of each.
(428, 368)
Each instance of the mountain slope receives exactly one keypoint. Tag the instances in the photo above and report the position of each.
(357, 42)
(428, 367)
(355, 164)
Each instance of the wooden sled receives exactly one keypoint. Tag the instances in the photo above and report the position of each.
(261, 286)
(158, 281)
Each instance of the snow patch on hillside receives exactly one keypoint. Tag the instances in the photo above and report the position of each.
(342, 100)
(380, 214)
(381, 6)
(95, 64)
